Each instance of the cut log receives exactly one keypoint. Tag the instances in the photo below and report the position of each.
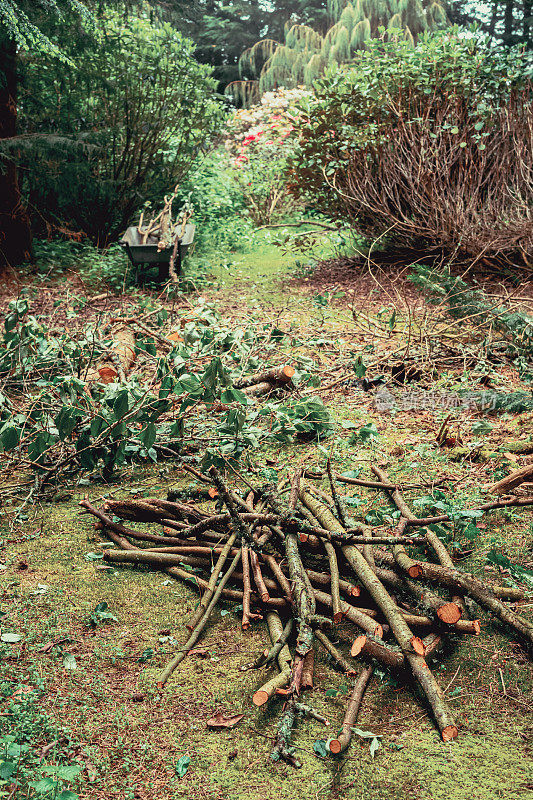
(275, 629)
(276, 376)
(342, 741)
(117, 364)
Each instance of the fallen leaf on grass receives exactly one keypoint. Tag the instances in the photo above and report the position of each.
(220, 721)
(10, 638)
(182, 765)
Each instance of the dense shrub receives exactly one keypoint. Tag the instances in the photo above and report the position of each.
(220, 213)
(120, 125)
(431, 143)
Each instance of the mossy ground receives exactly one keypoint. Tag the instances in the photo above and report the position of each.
(129, 739)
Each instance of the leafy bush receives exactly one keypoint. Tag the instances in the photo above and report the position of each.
(110, 266)
(430, 143)
(119, 125)
(219, 206)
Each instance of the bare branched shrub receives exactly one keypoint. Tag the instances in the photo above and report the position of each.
(436, 178)
(428, 145)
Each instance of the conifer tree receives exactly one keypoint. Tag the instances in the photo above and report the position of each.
(305, 52)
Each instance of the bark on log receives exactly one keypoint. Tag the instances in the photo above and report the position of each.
(342, 741)
(336, 654)
(277, 375)
(275, 629)
(513, 480)
(117, 364)
(411, 646)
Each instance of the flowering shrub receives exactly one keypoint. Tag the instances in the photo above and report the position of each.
(260, 141)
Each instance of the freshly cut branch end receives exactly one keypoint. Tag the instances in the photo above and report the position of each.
(450, 732)
(450, 613)
(418, 645)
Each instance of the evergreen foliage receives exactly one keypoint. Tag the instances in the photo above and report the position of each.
(19, 22)
(304, 53)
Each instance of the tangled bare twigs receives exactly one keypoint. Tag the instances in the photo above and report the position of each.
(399, 608)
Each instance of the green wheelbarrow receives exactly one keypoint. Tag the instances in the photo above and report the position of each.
(148, 254)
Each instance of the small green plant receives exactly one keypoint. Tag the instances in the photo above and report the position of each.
(100, 615)
(23, 773)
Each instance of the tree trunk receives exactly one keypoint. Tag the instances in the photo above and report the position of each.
(15, 232)
(526, 29)
(508, 23)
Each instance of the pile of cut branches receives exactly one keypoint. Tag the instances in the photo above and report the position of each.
(291, 553)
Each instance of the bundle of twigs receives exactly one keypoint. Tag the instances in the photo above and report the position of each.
(161, 228)
(289, 553)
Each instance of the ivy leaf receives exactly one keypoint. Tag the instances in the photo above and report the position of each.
(367, 433)
(121, 404)
(234, 396)
(146, 655)
(7, 768)
(148, 435)
(9, 437)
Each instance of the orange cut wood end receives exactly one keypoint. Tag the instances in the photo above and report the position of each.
(303, 537)
(418, 645)
(260, 698)
(450, 613)
(334, 746)
(415, 571)
(245, 626)
(476, 624)
(265, 597)
(288, 371)
(337, 618)
(355, 591)
(378, 631)
(358, 645)
(450, 732)
(212, 492)
(107, 374)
